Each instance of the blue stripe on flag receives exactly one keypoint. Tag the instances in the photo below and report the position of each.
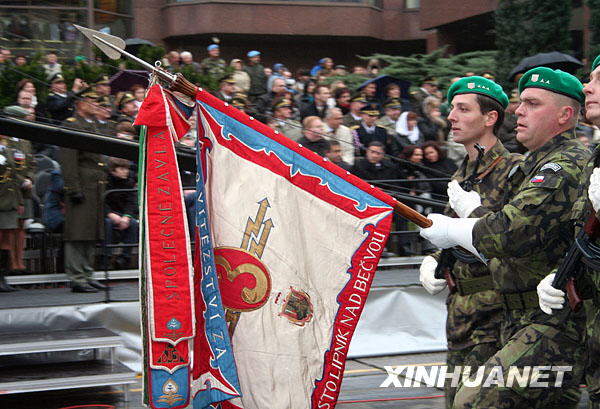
(258, 141)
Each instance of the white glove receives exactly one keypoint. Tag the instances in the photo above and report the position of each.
(447, 232)
(549, 297)
(594, 189)
(427, 276)
(461, 201)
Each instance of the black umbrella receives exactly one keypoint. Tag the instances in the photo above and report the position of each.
(132, 44)
(124, 80)
(554, 60)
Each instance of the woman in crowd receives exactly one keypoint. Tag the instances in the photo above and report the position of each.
(431, 125)
(139, 93)
(438, 166)
(342, 99)
(407, 133)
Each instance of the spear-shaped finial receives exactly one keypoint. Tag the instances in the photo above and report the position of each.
(114, 48)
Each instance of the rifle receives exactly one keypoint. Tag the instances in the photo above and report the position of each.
(449, 256)
(581, 250)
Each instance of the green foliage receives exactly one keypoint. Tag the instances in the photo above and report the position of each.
(11, 75)
(527, 27)
(418, 66)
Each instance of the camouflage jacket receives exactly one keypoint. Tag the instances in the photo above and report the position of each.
(528, 237)
(215, 67)
(581, 211)
(475, 318)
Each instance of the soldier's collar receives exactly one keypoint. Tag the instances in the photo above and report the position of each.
(533, 158)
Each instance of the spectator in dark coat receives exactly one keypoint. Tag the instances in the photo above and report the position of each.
(121, 210)
(374, 166)
(318, 107)
(313, 132)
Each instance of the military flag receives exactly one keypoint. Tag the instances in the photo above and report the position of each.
(296, 241)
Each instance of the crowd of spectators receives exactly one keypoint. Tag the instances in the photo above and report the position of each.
(402, 140)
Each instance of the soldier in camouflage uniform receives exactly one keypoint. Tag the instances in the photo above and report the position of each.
(474, 307)
(213, 65)
(525, 240)
(589, 283)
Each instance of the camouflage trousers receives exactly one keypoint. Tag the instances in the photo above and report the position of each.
(592, 376)
(531, 339)
(473, 356)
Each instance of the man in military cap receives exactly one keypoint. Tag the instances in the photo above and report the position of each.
(392, 108)
(368, 131)
(525, 240)
(354, 117)
(106, 126)
(102, 88)
(474, 308)
(240, 100)
(283, 122)
(226, 89)
(127, 108)
(60, 102)
(85, 176)
(213, 65)
(429, 88)
(588, 284)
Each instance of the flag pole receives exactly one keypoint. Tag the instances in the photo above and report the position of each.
(178, 83)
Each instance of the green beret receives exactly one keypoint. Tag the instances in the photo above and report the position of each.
(556, 81)
(478, 85)
(596, 63)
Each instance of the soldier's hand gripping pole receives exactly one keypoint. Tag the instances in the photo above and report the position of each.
(448, 256)
(570, 268)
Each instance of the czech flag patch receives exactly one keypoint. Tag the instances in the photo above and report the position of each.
(537, 179)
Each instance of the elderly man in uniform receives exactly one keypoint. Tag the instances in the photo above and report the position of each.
(588, 202)
(474, 307)
(523, 241)
(85, 178)
(282, 119)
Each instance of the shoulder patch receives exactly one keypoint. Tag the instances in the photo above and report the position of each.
(555, 167)
(537, 179)
(513, 171)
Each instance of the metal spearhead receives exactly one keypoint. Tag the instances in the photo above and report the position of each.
(114, 48)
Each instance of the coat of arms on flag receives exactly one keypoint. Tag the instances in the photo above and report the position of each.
(287, 245)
